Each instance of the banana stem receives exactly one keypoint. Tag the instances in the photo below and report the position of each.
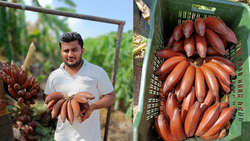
(18, 111)
(26, 63)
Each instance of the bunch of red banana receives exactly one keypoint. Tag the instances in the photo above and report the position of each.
(44, 118)
(26, 126)
(201, 37)
(25, 90)
(175, 124)
(190, 86)
(212, 71)
(68, 107)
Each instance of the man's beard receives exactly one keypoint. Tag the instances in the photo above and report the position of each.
(74, 65)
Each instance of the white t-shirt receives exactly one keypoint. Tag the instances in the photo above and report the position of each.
(90, 78)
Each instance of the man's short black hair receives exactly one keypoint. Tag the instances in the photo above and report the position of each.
(71, 36)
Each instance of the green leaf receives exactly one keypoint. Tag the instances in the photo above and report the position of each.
(70, 3)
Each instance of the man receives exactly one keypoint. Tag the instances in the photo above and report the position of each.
(78, 75)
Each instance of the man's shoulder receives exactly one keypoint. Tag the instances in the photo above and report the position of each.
(94, 66)
(55, 72)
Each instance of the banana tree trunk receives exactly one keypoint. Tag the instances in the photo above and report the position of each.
(6, 131)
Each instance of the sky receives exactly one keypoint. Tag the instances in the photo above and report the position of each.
(113, 9)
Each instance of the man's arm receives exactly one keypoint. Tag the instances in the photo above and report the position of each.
(104, 102)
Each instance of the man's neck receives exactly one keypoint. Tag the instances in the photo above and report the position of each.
(73, 71)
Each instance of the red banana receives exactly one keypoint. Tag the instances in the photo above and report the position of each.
(207, 102)
(219, 72)
(225, 88)
(56, 108)
(215, 41)
(8, 70)
(201, 45)
(200, 26)
(225, 116)
(10, 81)
(212, 51)
(21, 92)
(20, 100)
(63, 111)
(171, 103)
(227, 64)
(53, 96)
(178, 45)
(80, 98)
(27, 82)
(164, 110)
(21, 77)
(13, 92)
(156, 126)
(12, 64)
(188, 102)
(33, 92)
(164, 129)
(223, 105)
(51, 104)
(14, 74)
(169, 65)
(216, 25)
(76, 108)
(229, 36)
(176, 126)
(187, 81)
(192, 118)
(178, 32)
(211, 80)
(166, 89)
(188, 28)
(27, 95)
(209, 118)
(170, 41)
(70, 112)
(177, 92)
(4, 69)
(17, 87)
(167, 53)
(179, 49)
(200, 85)
(189, 45)
(162, 77)
(176, 74)
(87, 95)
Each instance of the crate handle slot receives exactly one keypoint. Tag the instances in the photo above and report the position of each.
(203, 9)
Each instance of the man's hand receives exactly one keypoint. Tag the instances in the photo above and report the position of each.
(86, 111)
(106, 101)
(85, 114)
